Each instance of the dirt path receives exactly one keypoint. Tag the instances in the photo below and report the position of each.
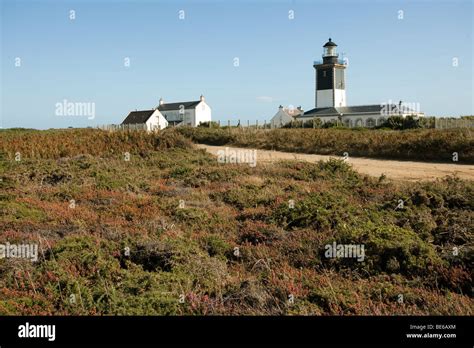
(398, 170)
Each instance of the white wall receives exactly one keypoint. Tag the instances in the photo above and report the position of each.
(352, 121)
(361, 120)
(280, 119)
(203, 113)
(324, 98)
(156, 121)
(340, 97)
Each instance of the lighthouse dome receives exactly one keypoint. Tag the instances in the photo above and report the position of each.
(330, 44)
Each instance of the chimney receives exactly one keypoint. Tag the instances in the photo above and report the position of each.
(161, 101)
(201, 98)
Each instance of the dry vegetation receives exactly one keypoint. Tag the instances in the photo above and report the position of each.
(184, 260)
(416, 144)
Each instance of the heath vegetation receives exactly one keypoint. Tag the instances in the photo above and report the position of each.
(136, 223)
(413, 144)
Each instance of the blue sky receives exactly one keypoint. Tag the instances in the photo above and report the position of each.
(82, 60)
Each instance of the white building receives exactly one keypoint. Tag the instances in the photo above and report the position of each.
(153, 119)
(190, 113)
(330, 97)
(285, 115)
(361, 115)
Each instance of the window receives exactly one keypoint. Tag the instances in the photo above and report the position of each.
(324, 73)
(370, 122)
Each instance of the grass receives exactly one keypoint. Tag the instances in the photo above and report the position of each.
(418, 144)
(172, 232)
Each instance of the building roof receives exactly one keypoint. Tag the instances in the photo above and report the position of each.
(329, 43)
(135, 117)
(354, 110)
(177, 106)
(293, 112)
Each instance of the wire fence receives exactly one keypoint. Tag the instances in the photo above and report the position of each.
(428, 122)
(238, 123)
(449, 122)
(425, 122)
(123, 127)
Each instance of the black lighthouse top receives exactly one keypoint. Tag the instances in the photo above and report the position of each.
(330, 56)
(330, 43)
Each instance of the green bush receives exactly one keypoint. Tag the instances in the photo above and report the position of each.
(392, 249)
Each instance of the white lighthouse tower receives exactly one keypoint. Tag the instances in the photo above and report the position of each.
(330, 78)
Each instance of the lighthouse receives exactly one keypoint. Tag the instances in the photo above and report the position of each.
(330, 97)
(330, 78)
